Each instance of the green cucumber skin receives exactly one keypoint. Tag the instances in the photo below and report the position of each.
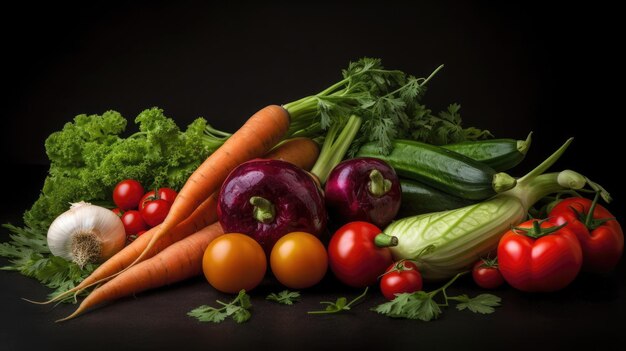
(419, 198)
(499, 154)
(440, 168)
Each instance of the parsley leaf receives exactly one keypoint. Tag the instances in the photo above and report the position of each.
(418, 305)
(284, 297)
(421, 305)
(238, 310)
(341, 304)
(483, 303)
(28, 253)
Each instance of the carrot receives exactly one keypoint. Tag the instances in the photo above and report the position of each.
(177, 262)
(301, 151)
(255, 138)
(183, 259)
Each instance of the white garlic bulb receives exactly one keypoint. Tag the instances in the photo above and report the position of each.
(86, 233)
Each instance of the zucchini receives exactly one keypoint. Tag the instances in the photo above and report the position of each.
(419, 198)
(499, 154)
(442, 169)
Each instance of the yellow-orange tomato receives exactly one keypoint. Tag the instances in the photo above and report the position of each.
(299, 260)
(233, 262)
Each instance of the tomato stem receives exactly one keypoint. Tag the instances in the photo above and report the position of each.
(384, 240)
(536, 231)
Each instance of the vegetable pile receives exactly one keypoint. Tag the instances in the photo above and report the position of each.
(360, 181)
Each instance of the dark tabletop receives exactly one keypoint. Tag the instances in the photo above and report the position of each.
(513, 67)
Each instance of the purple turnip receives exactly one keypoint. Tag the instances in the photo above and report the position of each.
(267, 199)
(363, 189)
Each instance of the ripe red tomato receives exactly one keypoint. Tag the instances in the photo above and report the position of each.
(538, 256)
(133, 223)
(400, 277)
(357, 254)
(127, 194)
(154, 212)
(486, 274)
(167, 194)
(601, 237)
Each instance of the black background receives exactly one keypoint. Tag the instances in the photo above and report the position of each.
(513, 67)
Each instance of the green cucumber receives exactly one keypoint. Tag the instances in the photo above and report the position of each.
(419, 198)
(443, 169)
(499, 154)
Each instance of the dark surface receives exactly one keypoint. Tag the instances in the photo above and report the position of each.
(513, 68)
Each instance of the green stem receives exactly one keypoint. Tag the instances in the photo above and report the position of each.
(524, 145)
(444, 287)
(335, 147)
(533, 189)
(546, 164)
(503, 182)
(378, 185)
(384, 240)
(263, 211)
(431, 75)
(589, 216)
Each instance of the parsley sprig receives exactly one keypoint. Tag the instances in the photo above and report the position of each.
(238, 310)
(340, 305)
(28, 253)
(421, 305)
(284, 297)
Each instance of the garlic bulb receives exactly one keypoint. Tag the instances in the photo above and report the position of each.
(86, 234)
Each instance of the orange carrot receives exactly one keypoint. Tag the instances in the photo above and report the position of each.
(255, 138)
(177, 262)
(301, 151)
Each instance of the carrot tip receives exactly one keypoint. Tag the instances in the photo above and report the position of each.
(71, 316)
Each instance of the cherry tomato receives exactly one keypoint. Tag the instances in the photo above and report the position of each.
(118, 211)
(127, 194)
(486, 274)
(155, 211)
(538, 256)
(233, 262)
(299, 260)
(167, 194)
(358, 253)
(600, 236)
(133, 223)
(400, 277)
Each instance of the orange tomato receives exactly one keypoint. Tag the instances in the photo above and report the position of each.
(299, 260)
(233, 262)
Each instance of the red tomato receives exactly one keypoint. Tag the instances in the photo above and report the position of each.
(167, 194)
(538, 256)
(118, 212)
(127, 194)
(133, 223)
(154, 212)
(486, 274)
(400, 277)
(601, 238)
(355, 258)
